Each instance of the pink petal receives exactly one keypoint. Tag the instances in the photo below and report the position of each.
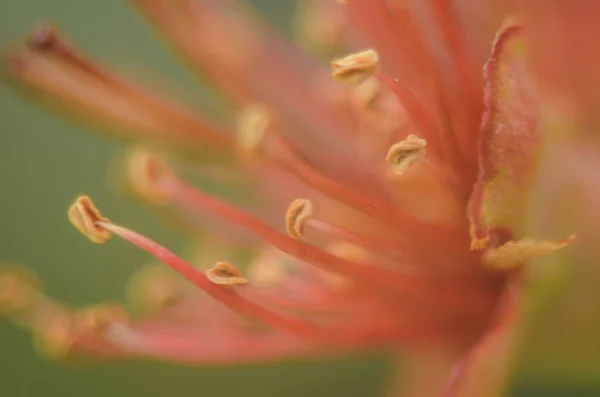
(565, 50)
(509, 139)
(483, 370)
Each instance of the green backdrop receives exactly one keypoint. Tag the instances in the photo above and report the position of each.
(45, 162)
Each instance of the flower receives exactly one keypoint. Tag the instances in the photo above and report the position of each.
(408, 187)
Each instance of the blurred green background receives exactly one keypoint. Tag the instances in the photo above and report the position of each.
(45, 162)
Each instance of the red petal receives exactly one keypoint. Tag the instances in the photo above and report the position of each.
(483, 371)
(509, 138)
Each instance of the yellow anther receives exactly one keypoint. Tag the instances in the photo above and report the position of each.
(224, 273)
(153, 288)
(267, 269)
(355, 68)
(404, 154)
(296, 216)
(97, 318)
(17, 289)
(254, 125)
(145, 172)
(54, 333)
(83, 215)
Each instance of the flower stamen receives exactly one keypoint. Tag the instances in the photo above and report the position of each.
(97, 318)
(17, 289)
(290, 159)
(224, 273)
(65, 77)
(86, 218)
(355, 68)
(154, 288)
(298, 213)
(254, 125)
(299, 216)
(374, 275)
(404, 154)
(198, 277)
(145, 171)
(54, 331)
(267, 268)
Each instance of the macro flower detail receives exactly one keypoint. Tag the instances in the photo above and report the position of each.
(403, 154)
(510, 137)
(297, 214)
(414, 176)
(355, 68)
(86, 218)
(224, 273)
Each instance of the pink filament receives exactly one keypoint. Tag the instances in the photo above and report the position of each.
(224, 295)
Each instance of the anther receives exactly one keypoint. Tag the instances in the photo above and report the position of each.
(97, 318)
(145, 171)
(224, 273)
(153, 288)
(84, 216)
(17, 289)
(296, 216)
(404, 154)
(254, 125)
(54, 334)
(267, 269)
(355, 68)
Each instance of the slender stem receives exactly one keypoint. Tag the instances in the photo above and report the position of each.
(227, 296)
(467, 296)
